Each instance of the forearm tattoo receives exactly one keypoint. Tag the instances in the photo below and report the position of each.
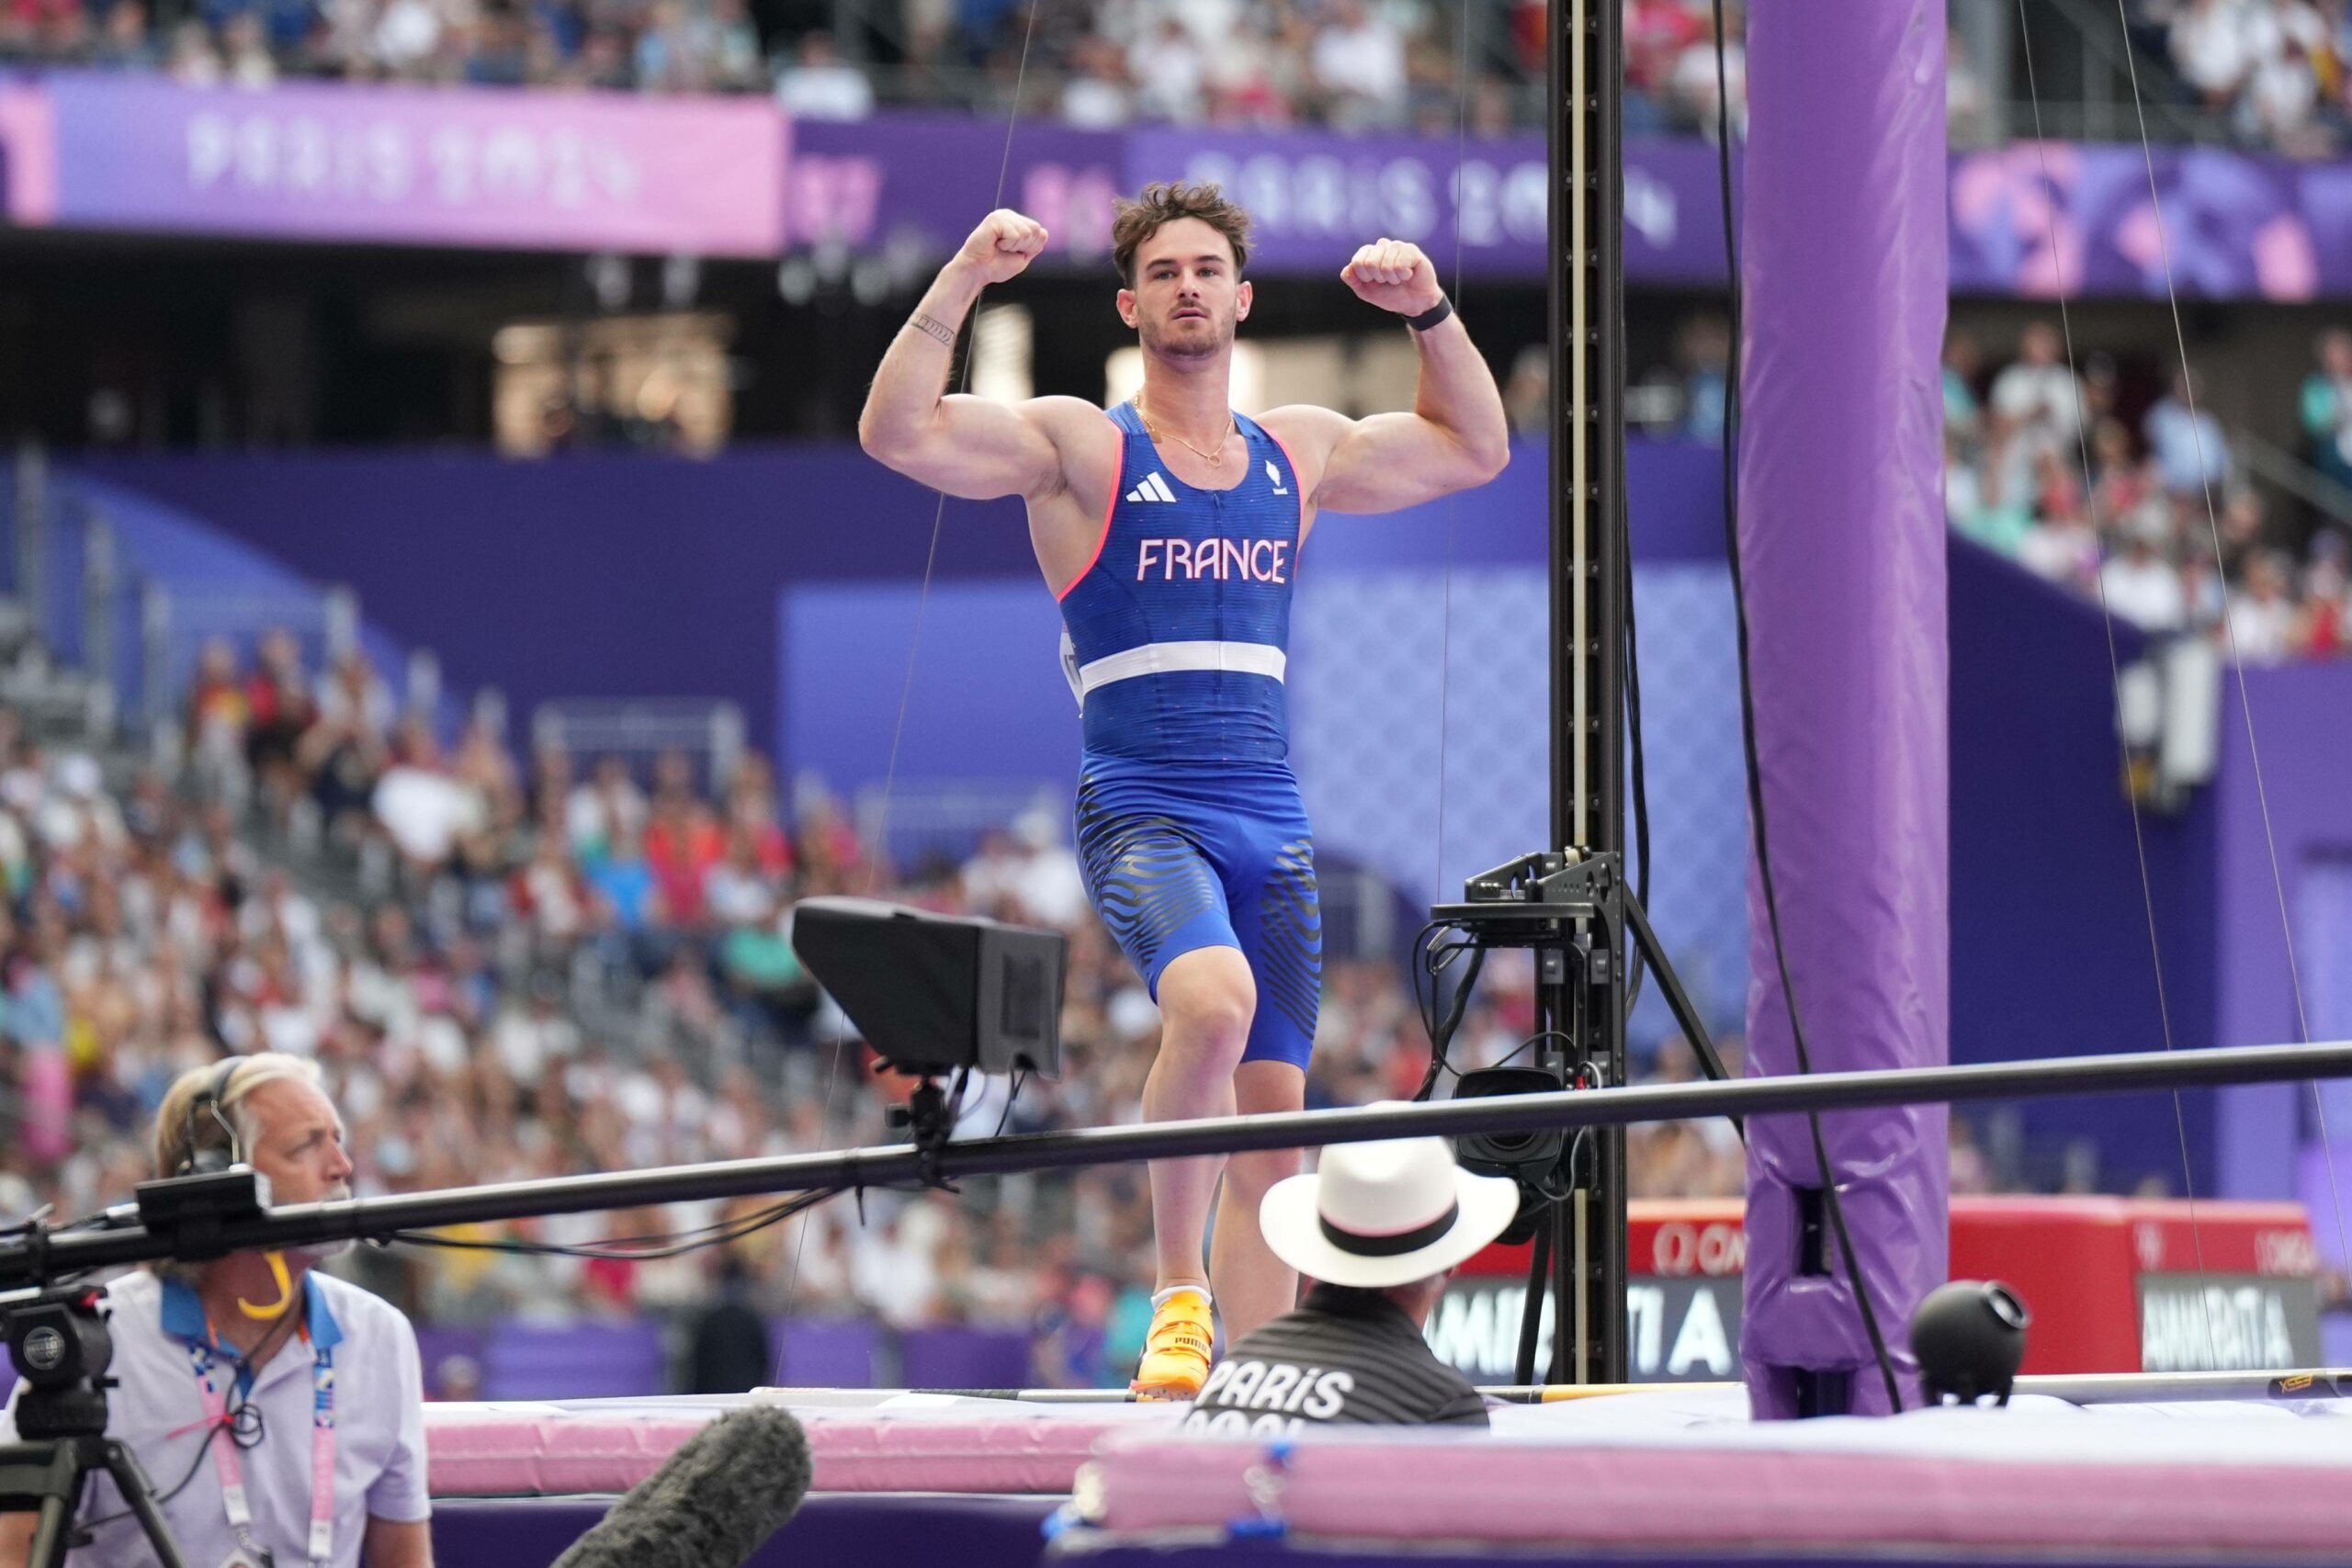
(925, 322)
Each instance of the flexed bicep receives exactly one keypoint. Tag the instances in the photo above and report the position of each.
(975, 449)
(1390, 461)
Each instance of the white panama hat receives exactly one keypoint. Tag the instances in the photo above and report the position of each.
(1385, 1214)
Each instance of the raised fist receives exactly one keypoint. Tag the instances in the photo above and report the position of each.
(1003, 245)
(1395, 276)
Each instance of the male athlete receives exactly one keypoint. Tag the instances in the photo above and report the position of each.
(1170, 529)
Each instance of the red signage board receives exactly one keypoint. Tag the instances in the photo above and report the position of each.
(2114, 1284)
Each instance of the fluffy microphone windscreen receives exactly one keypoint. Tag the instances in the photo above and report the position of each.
(727, 1489)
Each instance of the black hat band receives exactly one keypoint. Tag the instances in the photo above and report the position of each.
(1390, 1246)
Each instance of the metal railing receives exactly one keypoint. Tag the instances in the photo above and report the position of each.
(2281, 470)
(919, 819)
(637, 728)
(2101, 106)
(176, 621)
(83, 625)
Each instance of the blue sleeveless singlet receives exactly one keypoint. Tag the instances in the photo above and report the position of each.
(1190, 827)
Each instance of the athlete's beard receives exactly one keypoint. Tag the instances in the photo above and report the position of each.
(1156, 336)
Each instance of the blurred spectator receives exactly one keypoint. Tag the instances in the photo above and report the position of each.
(1970, 113)
(2120, 484)
(1359, 63)
(601, 809)
(1706, 359)
(194, 61)
(1963, 361)
(1991, 500)
(1971, 1171)
(2327, 407)
(127, 43)
(819, 85)
(216, 720)
(2216, 43)
(249, 63)
(2141, 584)
(2243, 531)
(623, 880)
(728, 1349)
(1527, 395)
(1700, 71)
(1656, 34)
(277, 713)
(1169, 70)
(2264, 624)
(348, 744)
(2064, 548)
(2039, 401)
(2327, 601)
(684, 839)
(2270, 69)
(423, 809)
(2192, 455)
(1096, 95)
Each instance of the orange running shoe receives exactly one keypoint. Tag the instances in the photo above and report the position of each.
(1176, 1351)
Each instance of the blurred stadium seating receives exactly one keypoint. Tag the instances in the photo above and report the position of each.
(235, 812)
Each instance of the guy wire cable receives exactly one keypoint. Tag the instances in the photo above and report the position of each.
(2245, 704)
(879, 848)
(2114, 665)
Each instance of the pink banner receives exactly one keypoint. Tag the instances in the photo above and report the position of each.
(453, 167)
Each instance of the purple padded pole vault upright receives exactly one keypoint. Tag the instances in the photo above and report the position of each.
(1841, 530)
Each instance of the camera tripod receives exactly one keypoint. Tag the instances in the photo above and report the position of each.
(60, 1342)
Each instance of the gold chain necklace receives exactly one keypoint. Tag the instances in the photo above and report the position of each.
(1216, 459)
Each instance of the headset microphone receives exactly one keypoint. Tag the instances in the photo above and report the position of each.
(200, 1160)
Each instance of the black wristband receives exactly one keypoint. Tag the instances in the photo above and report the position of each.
(1434, 316)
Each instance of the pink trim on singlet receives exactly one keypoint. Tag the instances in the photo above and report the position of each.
(1117, 479)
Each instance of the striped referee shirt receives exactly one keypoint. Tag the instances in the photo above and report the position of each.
(1345, 1357)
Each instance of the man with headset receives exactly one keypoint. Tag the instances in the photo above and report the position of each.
(278, 1411)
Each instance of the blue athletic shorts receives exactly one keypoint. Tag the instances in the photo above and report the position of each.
(1179, 856)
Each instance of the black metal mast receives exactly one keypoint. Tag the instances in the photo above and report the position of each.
(1590, 578)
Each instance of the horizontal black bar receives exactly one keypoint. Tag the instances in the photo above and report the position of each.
(77, 1251)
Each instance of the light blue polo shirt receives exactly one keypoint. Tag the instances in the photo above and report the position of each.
(158, 1413)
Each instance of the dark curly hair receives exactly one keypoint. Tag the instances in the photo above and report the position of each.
(1164, 203)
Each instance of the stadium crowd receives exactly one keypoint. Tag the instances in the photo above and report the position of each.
(510, 973)
(1347, 62)
(2140, 535)
(2274, 69)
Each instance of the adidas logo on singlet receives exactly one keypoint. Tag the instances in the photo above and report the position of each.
(1153, 488)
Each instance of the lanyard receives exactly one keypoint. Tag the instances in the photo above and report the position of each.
(231, 1472)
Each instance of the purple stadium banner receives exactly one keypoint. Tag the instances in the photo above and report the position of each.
(1316, 196)
(926, 180)
(455, 166)
(2032, 220)
(727, 177)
